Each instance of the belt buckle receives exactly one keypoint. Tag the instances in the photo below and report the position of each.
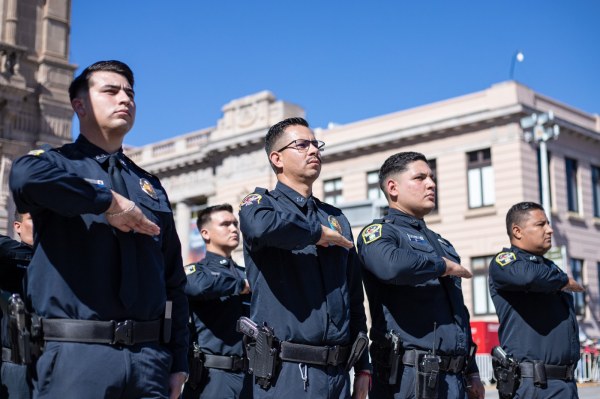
(333, 354)
(123, 333)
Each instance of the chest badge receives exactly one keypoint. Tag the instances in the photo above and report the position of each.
(334, 223)
(148, 188)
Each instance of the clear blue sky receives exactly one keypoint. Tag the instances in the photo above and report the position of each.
(342, 61)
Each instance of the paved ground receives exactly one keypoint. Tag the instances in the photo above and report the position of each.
(586, 391)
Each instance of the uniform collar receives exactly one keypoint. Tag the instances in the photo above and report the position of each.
(294, 196)
(394, 213)
(95, 152)
(216, 258)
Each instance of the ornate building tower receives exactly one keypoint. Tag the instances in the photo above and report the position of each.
(34, 77)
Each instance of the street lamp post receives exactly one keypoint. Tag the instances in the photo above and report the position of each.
(517, 56)
(539, 129)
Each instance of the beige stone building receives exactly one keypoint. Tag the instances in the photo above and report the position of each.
(477, 147)
(34, 77)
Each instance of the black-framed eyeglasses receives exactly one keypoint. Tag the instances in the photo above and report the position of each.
(302, 145)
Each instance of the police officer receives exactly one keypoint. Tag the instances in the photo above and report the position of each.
(217, 291)
(304, 274)
(538, 325)
(413, 281)
(14, 259)
(107, 276)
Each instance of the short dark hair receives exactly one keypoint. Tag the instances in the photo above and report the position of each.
(204, 214)
(81, 82)
(397, 163)
(277, 130)
(518, 212)
(18, 216)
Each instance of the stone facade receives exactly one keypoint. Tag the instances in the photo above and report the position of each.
(34, 77)
(483, 166)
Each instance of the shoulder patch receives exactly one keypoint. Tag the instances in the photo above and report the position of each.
(251, 199)
(504, 258)
(371, 233)
(36, 152)
(189, 269)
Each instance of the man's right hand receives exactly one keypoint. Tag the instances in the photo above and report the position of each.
(332, 237)
(573, 286)
(124, 215)
(454, 269)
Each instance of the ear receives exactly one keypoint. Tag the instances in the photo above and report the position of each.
(517, 232)
(78, 107)
(17, 227)
(391, 186)
(275, 158)
(205, 235)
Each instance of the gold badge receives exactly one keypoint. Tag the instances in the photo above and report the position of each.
(148, 188)
(189, 269)
(334, 224)
(371, 233)
(504, 258)
(251, 199)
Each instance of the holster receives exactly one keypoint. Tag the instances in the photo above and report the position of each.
(25, 334)
(196, 364)
(507, 379)
(386, 354)
(263, 359)
(358, 347)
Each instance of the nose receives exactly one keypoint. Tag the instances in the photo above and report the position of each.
(124, 98)
(312, 148)
(430, 182)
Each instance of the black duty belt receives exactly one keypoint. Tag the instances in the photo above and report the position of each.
(128, 332)
(319, 355)
(553, 372)
(448, 364)
(232, 363)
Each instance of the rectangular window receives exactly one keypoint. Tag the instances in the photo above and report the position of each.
(480, 175)
(332, 191)
(373, 190)
(433, 167)
(572, 185)
(482, 301)
(596, 189)
(578, 297)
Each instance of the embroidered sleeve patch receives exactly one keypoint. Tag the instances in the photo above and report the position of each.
(504, 258)
(189, 269)
(251, 199)
(371, 233)
(36, 153)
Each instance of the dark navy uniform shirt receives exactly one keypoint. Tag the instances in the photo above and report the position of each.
(75, 272)
(14, 259)
(537, 319)
(406, 292)
(309, 294)
(213, 289)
